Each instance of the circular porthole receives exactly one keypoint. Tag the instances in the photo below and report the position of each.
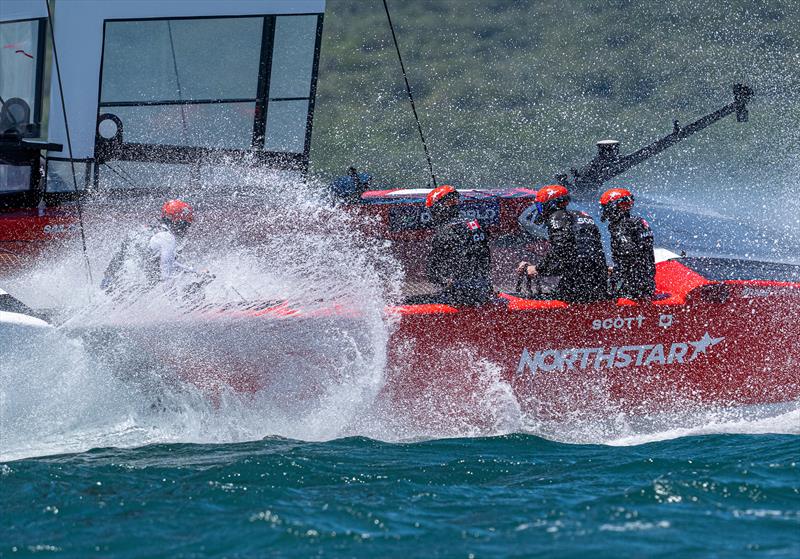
(109, 127)
(109, 136)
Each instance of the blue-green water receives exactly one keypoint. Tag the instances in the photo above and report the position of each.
(723, 495)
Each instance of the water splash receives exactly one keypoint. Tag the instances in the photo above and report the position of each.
(94, 381)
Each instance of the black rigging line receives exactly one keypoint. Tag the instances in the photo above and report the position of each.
(131, 180)
(177, 80)
(410, 96)
(69, 143)
(194, 177)
(121, 173)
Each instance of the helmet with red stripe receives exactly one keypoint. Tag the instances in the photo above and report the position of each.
(615, 201)
(443, 195)
(549, 199)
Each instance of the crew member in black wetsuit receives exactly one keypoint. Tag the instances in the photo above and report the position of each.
(634, 273)
(459, 260)
(576, 251)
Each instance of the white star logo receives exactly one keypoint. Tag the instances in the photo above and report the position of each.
(701, 345)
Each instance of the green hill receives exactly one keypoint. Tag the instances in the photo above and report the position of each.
(511, 92)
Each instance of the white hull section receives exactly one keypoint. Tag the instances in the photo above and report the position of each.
(17, 329)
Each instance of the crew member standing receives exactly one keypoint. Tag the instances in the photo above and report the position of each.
(459, 260)
(576, 251)
(634, 273)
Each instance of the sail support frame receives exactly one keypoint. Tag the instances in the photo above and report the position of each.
(80, 27)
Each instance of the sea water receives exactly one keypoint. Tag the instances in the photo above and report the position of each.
(518, 495)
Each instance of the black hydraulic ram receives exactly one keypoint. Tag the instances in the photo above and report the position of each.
(608, 163)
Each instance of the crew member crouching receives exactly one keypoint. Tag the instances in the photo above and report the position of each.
(634, 273)
(459, 260)
(576, 251)
(150, 257)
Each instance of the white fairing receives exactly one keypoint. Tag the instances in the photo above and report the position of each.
(418, 191)
(19, 330)
(9, 320)
(662, 255)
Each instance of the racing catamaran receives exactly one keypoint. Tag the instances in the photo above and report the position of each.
(135, 109)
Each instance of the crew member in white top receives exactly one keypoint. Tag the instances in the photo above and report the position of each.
(157, 256)
(176, 217)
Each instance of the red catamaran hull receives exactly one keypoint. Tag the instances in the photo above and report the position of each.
(707, 344)
(704, 344)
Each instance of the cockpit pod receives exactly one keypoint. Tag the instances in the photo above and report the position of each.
(23, 32)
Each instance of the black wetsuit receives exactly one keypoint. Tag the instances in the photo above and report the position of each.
(459, 262)
(634, 274)
(576, 254)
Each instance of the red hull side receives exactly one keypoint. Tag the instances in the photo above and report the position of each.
(723, 345)
(26, 234)
(704, 344)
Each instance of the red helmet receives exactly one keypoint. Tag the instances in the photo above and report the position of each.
(615, 200)
(441, 193)
(620, 197)
(550, 198)
(551, 193)
(177, 211)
